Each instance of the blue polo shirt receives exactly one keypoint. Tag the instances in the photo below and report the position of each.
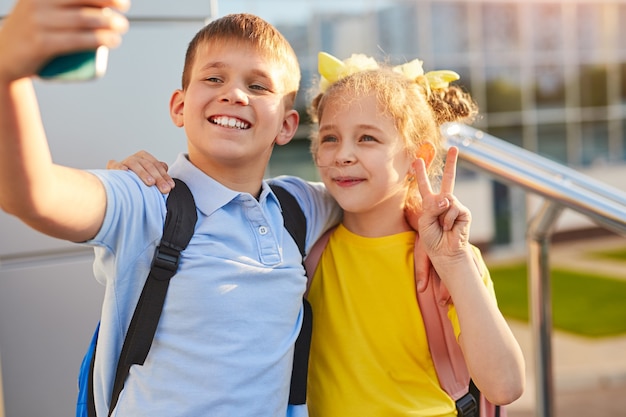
(224, 344)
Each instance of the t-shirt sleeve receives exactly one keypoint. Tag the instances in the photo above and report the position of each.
(320, 209)
(133, 222)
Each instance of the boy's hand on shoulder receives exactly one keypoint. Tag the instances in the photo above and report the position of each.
(35, 31)
(148, 168)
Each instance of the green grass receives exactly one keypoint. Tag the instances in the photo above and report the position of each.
(614, 255)
(582, 303)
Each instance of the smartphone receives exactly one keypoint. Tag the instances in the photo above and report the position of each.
(79, 66)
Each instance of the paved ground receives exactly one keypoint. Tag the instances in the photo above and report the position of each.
(589, 374)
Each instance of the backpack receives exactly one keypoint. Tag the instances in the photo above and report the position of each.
(177, 232)
(447, 356)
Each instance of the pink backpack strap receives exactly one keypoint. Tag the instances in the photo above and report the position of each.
(314, 255)
(445, 350)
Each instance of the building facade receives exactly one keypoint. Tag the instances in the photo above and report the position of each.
(549, 76)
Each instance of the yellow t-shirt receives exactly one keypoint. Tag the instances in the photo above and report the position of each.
(369, 353)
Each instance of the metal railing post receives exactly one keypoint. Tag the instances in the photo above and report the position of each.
(562, 187)
(540, 296)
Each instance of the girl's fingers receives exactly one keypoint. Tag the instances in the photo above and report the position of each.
(449, 171)
(150, 170)
(450, 217)
(421, 176)
(113, 164)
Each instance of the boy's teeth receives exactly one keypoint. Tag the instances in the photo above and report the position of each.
(230, 122)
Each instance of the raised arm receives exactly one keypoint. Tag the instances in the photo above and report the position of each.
(493, 356)
(59, 201)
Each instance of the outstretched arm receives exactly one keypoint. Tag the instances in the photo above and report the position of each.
(56, 200)
(493, 356)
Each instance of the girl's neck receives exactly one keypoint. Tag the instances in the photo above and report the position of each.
(373, 224)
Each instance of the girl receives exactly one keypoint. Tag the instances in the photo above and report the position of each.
(378, 132)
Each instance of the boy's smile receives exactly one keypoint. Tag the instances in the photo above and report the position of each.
(229, 122)
(233, 111)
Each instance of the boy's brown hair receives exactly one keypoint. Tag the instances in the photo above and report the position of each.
(251, 30)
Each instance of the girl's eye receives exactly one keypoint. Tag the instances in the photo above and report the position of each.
(368, 138)
(328, 139)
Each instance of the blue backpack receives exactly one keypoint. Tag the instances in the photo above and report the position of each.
(177, 232)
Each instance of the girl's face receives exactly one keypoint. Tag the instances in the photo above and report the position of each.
(361, 157)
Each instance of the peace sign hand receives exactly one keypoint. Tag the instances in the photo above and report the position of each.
(444, 223)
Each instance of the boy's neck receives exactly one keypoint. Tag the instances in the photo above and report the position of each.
(248, 180)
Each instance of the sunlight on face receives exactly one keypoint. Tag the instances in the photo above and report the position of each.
(361, 156)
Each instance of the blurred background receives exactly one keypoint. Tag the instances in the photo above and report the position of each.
(549, 76)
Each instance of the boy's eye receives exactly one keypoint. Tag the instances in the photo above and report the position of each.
(258, 87)
(214, 79)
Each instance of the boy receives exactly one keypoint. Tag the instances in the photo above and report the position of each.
(224, 345)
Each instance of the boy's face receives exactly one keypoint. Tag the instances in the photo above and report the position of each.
(361, 156)
(233, 110)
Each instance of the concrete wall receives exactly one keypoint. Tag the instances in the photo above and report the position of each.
(49, 300)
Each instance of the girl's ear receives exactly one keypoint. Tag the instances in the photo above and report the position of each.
(426, 151)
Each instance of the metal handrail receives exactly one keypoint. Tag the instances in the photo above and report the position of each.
(561, 187)
(540, 175)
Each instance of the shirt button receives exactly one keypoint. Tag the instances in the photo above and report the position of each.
(263, 230)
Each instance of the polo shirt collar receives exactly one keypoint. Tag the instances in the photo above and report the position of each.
(209, 194)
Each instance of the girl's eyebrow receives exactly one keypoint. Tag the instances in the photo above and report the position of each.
(327, 127)
(362, 126)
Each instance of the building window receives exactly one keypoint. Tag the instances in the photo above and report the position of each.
(595, 141)
(549, 86)
(623, 81)
(503, 89)
(589, 29)
(501, 34)
(552, 141)
(593, 85)
(546, 17)
(512, 134)
(446, 42)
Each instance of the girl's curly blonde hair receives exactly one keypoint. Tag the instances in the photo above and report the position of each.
(417, 110)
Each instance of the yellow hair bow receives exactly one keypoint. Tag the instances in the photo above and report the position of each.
(332, 69)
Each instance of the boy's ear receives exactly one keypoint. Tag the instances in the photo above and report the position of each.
(426, 151)
(289, 128)
(177, 104)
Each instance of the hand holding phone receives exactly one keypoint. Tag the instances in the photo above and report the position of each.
(79, 66)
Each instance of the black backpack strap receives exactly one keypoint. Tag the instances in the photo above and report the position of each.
(177, 232)
(295, 223)
(293, 216)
